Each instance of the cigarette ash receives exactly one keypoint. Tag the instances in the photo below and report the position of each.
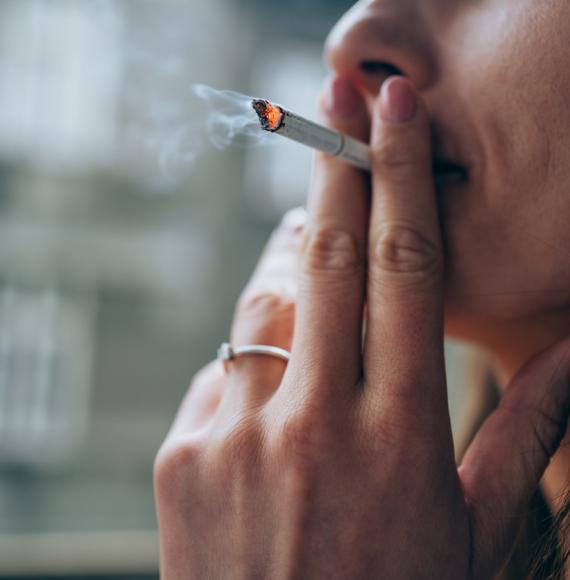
(270, 116)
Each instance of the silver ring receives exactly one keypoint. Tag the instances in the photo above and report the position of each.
(227, 352)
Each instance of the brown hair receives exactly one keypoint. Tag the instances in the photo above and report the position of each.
(551, 552)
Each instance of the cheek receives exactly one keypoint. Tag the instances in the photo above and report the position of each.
(507, 263)
(506, 233)
(507, 237)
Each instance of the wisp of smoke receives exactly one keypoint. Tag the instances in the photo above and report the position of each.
(230, 119)
(215, 118)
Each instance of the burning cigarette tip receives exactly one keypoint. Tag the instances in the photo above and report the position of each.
(270, 116)
(275, 119)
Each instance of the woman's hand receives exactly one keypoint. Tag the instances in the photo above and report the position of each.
(342, 465)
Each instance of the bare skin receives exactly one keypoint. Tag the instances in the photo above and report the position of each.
(341, 464)
(496, 86)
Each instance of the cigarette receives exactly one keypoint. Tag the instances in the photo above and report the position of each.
(276, 119)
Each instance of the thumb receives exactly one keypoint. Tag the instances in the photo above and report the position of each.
(507, 459)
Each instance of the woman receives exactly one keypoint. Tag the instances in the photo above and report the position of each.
(340, 464)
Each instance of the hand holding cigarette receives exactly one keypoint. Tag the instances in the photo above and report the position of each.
(341, 463)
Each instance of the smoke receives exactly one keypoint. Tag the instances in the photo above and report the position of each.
(212, 118)
(230, 118)
(162, 122)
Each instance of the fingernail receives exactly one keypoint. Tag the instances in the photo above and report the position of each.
(342, 100)
(398, 101)
(295, 220)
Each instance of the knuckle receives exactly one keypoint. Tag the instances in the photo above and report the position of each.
(330, 249)
(301, 443)
(548, 429)
(394, 430)
(294, 222)
(174, 464)
(264, 304)
(283, 241)
(242, 446)
(401, 249)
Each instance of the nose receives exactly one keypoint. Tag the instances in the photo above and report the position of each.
(379, 38)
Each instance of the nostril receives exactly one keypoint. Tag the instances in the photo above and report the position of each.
(375, 67)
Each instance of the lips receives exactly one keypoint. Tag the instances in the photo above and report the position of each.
(447, 173)
(445, 166)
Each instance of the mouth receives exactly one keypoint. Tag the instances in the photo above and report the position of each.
(447, 173)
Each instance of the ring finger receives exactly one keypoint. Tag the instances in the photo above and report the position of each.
(266, 313)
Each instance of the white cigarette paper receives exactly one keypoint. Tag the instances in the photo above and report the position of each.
(277, 120)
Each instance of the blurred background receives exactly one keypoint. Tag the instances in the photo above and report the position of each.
(122, 250)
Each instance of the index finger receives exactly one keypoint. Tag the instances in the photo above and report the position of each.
(404, 346)
(328, 328)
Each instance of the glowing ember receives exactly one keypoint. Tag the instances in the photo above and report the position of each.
(270, 116)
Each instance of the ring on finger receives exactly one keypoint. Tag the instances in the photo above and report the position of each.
(228, 353)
